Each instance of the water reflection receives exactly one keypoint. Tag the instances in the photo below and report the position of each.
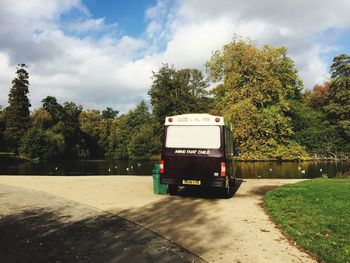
(118, 167)
(79, 167)
(290, 169)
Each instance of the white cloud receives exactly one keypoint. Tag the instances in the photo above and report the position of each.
(192, 44)
(89, 62)
(95, 72)
(293, 24)
(87, 25)
(6, 76)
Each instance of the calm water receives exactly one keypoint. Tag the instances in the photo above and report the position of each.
(79, 167)
(290, 169)
(113, 167)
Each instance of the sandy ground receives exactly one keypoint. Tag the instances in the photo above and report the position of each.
(39, 227)
(215, 229)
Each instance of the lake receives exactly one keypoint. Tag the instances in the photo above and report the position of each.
(144, 168)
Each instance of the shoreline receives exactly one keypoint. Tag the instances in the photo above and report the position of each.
(20, 158)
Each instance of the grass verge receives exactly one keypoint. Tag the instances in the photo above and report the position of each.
(315, 214)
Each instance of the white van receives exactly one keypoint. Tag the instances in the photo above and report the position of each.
(197, 151)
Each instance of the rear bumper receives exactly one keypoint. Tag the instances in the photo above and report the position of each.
(215, 182)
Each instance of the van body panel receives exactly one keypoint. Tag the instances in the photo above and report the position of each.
(192, 167)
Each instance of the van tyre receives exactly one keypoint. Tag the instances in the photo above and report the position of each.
(234, 181)
(228, 191)
(173, 189)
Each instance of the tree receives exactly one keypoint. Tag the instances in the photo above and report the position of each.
(134, 135)
(253, 94)
(17, 113)
(177, 91)
(55, 109)
(71, 114)
(116, 144)
(138, 117)
(338, 108)
(265, 76)
(42, 144)
(109, 113)
(311, 127)
(193, 81)
(337, 105)
(340, 69)
(143, 144)
(127, 125)
(65, 121)
(41, 119)
(70, 129)
(2, 128)
(92, 131)
(319, 96)
(90, 123)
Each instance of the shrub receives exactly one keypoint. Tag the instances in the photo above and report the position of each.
(42, 144)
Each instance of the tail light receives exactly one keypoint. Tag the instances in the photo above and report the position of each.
(223, 169)
(161, 166)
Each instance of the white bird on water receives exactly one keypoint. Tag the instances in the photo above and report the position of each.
(131, 167)
(138, 164)
(303, 171)
(56, 168)
(109, 169)
(127, 169)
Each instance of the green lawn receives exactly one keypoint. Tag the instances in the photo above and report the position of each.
(316, 214)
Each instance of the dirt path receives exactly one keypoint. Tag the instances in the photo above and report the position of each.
(218, 230)
(40, 227)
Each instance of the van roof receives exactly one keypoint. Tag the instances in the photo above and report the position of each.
(194, 119)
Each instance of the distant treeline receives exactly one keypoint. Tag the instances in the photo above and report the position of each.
(258, 92)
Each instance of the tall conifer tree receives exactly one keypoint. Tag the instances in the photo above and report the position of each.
(17, 113)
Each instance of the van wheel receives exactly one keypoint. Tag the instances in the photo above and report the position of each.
(173, 189)
(228, 191)
(234, 181)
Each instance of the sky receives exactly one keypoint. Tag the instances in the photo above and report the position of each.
(102, 53)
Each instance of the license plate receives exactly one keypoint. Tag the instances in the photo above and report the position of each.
(191, 182)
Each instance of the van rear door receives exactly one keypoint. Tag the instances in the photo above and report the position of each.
(193, 153)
